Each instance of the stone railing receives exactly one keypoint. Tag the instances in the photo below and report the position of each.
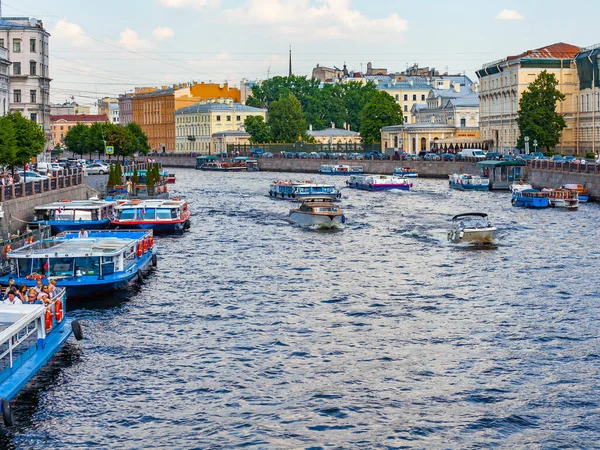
(67, 178)
(590, 168)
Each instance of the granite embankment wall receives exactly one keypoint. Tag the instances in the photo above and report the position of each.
(184, 161)
(541, 178)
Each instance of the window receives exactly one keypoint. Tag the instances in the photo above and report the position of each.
(405, 108)
(1, 42)
(33, 117)
(17, 96)
(32, 45)
(16, 45)
(228, 118)
(405, 121)
(33, 95)
(414, 97)
(422, 97)
(397, 97)
(218, 118)
(17, 68)
(463, 122)
(238, 118)
(405, 97)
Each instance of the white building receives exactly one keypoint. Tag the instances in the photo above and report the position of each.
(27, 44)
(4, 82)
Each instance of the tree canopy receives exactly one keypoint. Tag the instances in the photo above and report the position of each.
(30, 139)
(8, 140)
(126, 141)
(258, 129)
(538, 118)
(286, 119)
(381, 111)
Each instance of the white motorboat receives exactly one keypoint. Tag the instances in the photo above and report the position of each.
(471, 228)
(520, 186)
(317, 213)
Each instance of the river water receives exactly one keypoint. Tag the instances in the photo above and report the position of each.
(253, 333)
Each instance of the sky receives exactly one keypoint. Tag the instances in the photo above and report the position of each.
(107, 48)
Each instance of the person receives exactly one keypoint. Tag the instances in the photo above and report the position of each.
(32, 296)
(52, 288)
(44, 296)
(12, 299)
(39, 285)
(11, 286)
(83, 233)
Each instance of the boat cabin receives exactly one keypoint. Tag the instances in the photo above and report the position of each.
(151, 210)
(501, 173)
(318, 205)
(200, 160)
(84, 210)
(470, 220)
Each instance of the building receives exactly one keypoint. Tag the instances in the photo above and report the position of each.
(587, 103)
(60, 125)
(68, 109)
(110, 107)
(125, 109)
(222, 139)
(4, 82)
(246, 89)
(503, 83)
(27, 44)
(334, 136)
(327, 74)
(196, 124)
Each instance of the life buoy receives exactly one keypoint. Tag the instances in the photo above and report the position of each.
(140, 252)
(48, 320)
(58, 311)
(7, 248)
(151, 242)
(166, 190)
(145, 246)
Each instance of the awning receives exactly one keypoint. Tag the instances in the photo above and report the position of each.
(463, 140)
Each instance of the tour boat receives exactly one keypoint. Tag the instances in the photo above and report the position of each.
(30, 335)
(583, 194)
(520, 186)
(405, 172)
(340, 169)
(252, 165)
(530, 198)
(299, 189)
(317, 213)
(162, 216)
(171, 178)
(562, 198)
(467, 182)
(103, 262)
(75, 215)
(378, 182)
(471, 228)
(218, 166)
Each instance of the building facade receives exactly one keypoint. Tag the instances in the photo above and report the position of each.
(68, 109)
(4, 82)
(587, 103)
(334, 136)
(503, 83)
(196, 125)
(221, 140)
(27, 44)
(125, 109)
(110, 107)
(60, 125)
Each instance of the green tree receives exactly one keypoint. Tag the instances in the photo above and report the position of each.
(138, 140)
(356, 96)
(258, 129)
(286, 120)
(538, 118)
(135, 178)
(8, 141)
(381, 111)
(274, 88)
(111, 176)
(326, 106)
(77, 138)
(30, 139)
(96, 138)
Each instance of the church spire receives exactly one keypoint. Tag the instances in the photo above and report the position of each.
(290, 74)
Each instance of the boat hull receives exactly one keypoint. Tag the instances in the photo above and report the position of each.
(380, 187)
(342, 173)
(567, 203)
(316, 221)
(531, 202)
(159, 227)
(223, 169)
(332, 197)
(406, 174)
(469, 187)
(473, 235)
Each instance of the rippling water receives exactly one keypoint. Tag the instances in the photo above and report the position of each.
(254, 333)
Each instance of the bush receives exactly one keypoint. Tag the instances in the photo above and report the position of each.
(590, 155)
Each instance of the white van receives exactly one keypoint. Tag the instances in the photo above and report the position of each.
(473, 153)
(46, 168)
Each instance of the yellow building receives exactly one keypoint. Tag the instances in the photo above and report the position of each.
(195, 125)
(61, 124)
(587, 102)
(503, 83)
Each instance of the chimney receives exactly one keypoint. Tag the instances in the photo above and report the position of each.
(411, 82)
(457, 87)
(344, 125)
(332, 124)
(310, 127)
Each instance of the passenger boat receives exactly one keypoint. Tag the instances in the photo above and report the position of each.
(103, 262)
(30, 335)
(218, 166)
(340, 169)
(562, 198)
(300, 189)
(252, 165)
(317, 213)
(530, 198)
(171, 178)
(520, 186)
(405, 172)
(75, 215)
(467, 182)
(378, 182)
(583, 194)
(471, 228)
(161, 216)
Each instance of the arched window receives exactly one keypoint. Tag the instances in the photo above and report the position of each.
(423, 144)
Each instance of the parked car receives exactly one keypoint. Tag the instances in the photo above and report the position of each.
(431, 157)
(447, 156)
(302, 155)
(558, 159)
(570, 158)
(313, 155)
(539, 155)
(96, 169)
(472, 153)
(30, 175)
(267, 155)
(493, 155)
(373, 155)
(422, 153)
(508, 157)
(43, 168)
(414, 157)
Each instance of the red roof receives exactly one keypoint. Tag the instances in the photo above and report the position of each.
(80, 118)
(559, 50)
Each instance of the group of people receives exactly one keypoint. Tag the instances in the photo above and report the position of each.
(7, 178)
(41, 294)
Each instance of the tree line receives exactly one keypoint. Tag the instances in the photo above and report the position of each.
(295, 102)
(20, 140)
(126, 140)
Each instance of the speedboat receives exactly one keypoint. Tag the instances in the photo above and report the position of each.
(471, 228)
(520, 186)
(562, 198)
(161, 216)
(102, 262)
(378, 182)
(529, 198)
(340, 169)
(301, 189)
(406, 172)
(583, 194)
(468, 182)
(317, 213)
(30, 335)
(75, 215)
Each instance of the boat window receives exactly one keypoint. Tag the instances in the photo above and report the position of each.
(83, 215)
(174, 214)
(163, 213)
(42, 215)
(61, 267)
(107, 259)
(63, 215)
(324, 209)
(127, 214)
(146, 213)
(24, 266)
(88, 265)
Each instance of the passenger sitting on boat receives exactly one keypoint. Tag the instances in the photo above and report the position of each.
(32, 296)
(44, 296)
(39, 285)
(12, 299)
(22, 292)
(52, 288)
(83, 233)
(461, 225)
(11, 286)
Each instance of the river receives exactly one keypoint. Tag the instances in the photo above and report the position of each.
(253, 333)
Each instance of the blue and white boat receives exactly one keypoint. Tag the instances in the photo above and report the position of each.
(530, 198)
(340, 169)
(302, 189)
(75, 215)
(161, 216)
(103, 262)
(30, 335)
(467, 182)
(405, 172)
(378, 182)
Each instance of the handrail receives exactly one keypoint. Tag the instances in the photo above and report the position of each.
(67, 178)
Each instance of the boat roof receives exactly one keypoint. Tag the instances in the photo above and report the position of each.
(473, 214)
(151, 203)
(316, 199)
(75, 204)
(501, 163)
(18, 316)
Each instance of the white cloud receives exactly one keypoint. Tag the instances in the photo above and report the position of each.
(163, 33)
(510, 14)
(131, 41)
(195, 4)
(315, 19)
(71, 32)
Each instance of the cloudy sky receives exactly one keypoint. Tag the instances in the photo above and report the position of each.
(110, 47)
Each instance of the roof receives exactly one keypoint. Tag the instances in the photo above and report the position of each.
(75, 204)
(477, 214)
(333, 132)
(241, 133)
(155, 93)
(560, 50)
(501, 163)
(216, 106)
(80, 118)
(472, 99)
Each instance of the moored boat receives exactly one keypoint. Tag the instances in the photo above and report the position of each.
(472, 228)
(75, 215)
(378, 182)
(520, 186)
(30, 335)
(299, 189)
(317, 213)
(340, 169)
(529, 198)
(562, 198)
(103, 262)
(406, 172)
(171, 178)
(219, 166)
(161, 216)
(583, 194)
(467, 182)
